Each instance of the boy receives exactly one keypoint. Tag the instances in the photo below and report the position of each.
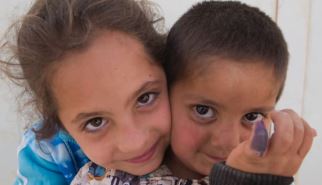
(226, 67)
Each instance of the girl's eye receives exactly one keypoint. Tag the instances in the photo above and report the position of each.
(146, 99)
(95, 124)
(253, 117)
(204, 111)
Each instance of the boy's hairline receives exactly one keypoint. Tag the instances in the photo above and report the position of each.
(195, 68)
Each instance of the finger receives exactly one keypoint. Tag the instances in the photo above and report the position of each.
(298, 130)
(306, 145)
(259, 138)
(282, 138)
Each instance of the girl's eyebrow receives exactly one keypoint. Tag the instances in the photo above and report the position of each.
(142, 88)
(84, 115)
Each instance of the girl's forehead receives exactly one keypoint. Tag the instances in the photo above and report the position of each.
(108, 68)
(110, 51)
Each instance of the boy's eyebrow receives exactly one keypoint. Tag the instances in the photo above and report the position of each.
(84, 115)
(143, 87)
(202, 99)
(263, 108)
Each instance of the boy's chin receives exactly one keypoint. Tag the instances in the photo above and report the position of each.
(201, 170)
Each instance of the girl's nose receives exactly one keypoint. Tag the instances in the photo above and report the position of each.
(131, 138)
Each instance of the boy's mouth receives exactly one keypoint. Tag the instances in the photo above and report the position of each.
(146, 156)
(216, 159)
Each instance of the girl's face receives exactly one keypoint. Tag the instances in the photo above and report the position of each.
(215, 111)
(112, 98)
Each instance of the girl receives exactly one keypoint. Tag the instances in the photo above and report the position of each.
(94, 70)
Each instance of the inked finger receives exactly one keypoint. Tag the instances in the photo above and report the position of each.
(259, 139)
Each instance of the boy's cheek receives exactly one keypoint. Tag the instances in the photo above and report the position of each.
(186, 135)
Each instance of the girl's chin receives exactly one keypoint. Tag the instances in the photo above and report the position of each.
(143, 169)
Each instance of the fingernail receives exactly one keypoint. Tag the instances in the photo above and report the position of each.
(260, 140)
(314, 132)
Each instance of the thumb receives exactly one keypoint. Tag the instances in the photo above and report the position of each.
(248, 154)
(259, 139)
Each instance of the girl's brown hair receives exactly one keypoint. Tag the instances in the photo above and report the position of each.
(53, 28)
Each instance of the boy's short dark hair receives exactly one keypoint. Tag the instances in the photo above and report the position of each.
(224, 30)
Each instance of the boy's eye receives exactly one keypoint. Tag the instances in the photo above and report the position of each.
(253, 117)
(95, 124)
(146, 99)
(203, 111)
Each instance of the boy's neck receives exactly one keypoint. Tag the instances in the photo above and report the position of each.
(178, 169)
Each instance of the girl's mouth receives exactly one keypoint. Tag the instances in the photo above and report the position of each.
(146, 156)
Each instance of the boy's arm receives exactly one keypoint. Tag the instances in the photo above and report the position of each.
(222, 174)
(252, 164)
(286, 149)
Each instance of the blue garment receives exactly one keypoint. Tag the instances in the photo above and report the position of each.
(48, 162)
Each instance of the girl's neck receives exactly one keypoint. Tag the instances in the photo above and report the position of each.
(178, 169)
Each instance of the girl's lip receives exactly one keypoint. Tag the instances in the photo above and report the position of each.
(145, 156)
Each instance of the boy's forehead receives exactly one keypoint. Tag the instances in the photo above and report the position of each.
(210, 64)
(228, 77)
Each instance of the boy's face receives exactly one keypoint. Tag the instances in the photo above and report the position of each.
(113, 100)
(215, 110)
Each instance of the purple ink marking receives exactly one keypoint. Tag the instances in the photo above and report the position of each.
(260, 140)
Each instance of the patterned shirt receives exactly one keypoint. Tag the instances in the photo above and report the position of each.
(92, 174)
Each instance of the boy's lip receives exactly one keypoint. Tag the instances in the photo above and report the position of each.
(216, 158)
(147, 155)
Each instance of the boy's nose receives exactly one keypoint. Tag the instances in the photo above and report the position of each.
(226, 136)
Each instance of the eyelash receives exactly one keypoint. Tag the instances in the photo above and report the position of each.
(202, 119)
(150, 102)
(198, 117)
(88, 123)
(105, 122)
(247, 122)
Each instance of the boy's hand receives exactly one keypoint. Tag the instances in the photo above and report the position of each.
(285, 151)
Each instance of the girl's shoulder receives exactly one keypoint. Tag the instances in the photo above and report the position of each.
(59, 154)
(55, 149)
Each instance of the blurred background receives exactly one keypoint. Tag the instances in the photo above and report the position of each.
(300, 21)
